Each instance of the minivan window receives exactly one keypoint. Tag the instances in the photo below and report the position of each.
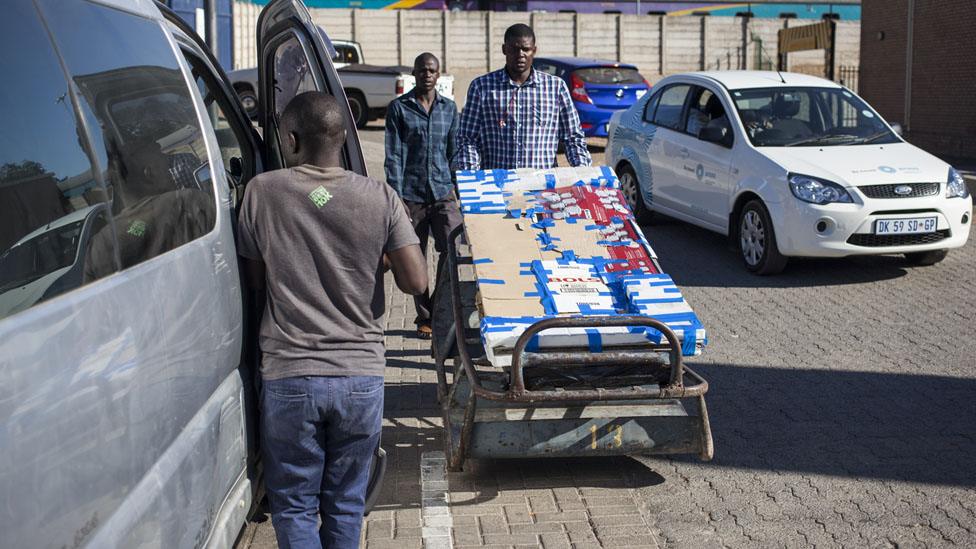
(292, 73)
(50, 200)
(142, 116)
(237, 159)
(669, 108)
(806, 116)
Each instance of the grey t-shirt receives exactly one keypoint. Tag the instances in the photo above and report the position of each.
(321, 233)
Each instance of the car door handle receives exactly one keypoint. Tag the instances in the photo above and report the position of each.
(684, 152)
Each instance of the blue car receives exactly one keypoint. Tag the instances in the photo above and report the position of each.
(599, 88)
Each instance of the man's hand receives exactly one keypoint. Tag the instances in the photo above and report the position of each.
(409, 269)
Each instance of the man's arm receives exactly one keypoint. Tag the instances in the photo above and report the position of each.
(452, 150)
(467, 156)
(393, 166)
(254, 273)
(409, 269)
(570, 131)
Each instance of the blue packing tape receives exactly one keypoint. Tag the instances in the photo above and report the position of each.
(592, 227)
(569, 255)
(550, 181)
(490, 281)
(482, 260)
(649, 300)
(571, 220)
(544, 223)
(515, 212)
(533, 345)
(526, 273)
(531, 294)
(607, 172)
(594, 340)
(587, 310)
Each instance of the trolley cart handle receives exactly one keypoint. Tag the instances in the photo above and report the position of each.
(520, 357)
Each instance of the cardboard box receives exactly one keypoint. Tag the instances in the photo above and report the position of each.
(561, 242)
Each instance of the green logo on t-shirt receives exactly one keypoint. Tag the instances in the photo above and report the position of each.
(320, 196)
(137, 228)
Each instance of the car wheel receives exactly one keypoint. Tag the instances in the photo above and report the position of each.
(360, 112)
(632, 193)
(249, 100)
(757, 241)
(926, 258)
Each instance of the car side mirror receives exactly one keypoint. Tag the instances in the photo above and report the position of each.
(718, 134)
(896, 127)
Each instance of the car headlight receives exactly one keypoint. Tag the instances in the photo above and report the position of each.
(956, 186)
(817, 191)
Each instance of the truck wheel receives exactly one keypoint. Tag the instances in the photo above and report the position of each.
(249, 100)
(357, 104)
(926, 258)
(630, 187)
(757, 242)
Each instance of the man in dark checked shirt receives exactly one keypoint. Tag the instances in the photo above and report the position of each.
(421, 126)
(515, 117)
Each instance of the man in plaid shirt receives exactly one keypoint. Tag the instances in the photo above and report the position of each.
(515, 117)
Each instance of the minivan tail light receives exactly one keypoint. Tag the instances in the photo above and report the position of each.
(399, 85)
(648, 84)
(577, 90)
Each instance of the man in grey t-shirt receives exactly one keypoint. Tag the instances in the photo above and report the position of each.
(318, 237)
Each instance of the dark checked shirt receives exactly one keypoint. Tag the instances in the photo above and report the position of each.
(419, 147)
(507, 126)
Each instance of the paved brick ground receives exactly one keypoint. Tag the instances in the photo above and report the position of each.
(842, 401)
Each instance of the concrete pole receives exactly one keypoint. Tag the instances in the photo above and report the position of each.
(909, 46)
(210, 25)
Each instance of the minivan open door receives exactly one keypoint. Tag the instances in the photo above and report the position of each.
(293, 58)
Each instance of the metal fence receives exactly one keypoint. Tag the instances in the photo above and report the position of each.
(847, 75)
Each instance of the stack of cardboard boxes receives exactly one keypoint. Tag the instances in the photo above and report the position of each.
(562, 242)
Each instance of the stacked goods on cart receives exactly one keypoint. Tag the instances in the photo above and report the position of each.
(562, 242)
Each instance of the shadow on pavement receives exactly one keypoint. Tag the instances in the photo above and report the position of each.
(697, 257)
(907, 427)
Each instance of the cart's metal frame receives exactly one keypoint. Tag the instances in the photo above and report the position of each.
(556, 419)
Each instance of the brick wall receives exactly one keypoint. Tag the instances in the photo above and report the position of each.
(941, 117)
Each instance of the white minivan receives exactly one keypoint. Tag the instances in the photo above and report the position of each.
(786, 165)
(127, 377)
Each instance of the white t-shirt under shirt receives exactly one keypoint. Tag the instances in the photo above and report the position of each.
(322, 233)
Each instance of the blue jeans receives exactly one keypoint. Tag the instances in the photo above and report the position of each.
(318, 435)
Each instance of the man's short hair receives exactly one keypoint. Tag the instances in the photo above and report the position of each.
(316, 118)
(422, 59)
(518, 31)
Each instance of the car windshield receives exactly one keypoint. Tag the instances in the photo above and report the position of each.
(809, 117)
(43, 254)
(609, 75)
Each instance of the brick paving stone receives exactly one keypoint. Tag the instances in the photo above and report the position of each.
(511, 539)
(563, 516)
(537, 528)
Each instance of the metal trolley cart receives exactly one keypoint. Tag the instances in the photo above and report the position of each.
(564, 402)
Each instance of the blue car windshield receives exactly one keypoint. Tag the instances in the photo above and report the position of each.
(809, 117)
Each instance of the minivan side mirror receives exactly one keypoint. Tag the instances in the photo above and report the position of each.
(896, 127)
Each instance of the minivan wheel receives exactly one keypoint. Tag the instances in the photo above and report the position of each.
(360, 112)
(757, 241)
(632, 193)
(930, 257)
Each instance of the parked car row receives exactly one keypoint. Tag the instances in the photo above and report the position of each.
(787, 165)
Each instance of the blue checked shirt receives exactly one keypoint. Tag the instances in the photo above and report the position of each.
(419, 147)
(506, 126)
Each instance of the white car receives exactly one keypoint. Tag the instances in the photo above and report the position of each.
(786, 165)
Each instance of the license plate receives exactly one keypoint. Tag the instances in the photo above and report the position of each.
(907, 225)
